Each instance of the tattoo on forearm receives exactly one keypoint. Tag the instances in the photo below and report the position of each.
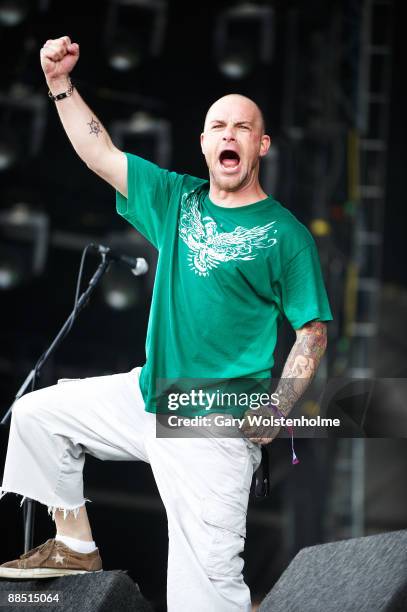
(301, 364)
(94, 127)
(299, 369)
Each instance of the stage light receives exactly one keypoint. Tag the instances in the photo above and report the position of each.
(236, 65)
(142, 123)
(134, 31)
(123, 57)
(13, 12)
(118, 300)
(8, 154)
(120, 289)
(10, 274)
(149, 135)
(23, 244)
(320, 227)
(23, 118)
(243, 34)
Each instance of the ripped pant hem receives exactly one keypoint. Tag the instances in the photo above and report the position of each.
(51, 509)
(75, 511)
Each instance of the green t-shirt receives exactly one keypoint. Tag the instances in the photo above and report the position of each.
(225, 277)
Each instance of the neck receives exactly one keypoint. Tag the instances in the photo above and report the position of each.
(248, 194)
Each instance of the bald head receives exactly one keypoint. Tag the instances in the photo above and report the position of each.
(233, 141)
(236, 103)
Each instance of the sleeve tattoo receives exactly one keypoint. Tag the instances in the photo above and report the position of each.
(301, 364)
(299, 369)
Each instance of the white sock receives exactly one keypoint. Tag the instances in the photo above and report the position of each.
(80, 546)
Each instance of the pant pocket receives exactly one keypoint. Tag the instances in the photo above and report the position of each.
(226, 529)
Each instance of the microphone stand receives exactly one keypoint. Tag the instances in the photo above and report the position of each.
(29, 504)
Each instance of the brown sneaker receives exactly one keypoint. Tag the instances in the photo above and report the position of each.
(51, 559)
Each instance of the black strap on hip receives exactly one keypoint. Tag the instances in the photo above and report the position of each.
(262, 486)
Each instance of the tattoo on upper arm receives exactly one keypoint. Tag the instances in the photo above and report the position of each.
(313, 339)
(307, 351)
(302, 363)
(94, 127)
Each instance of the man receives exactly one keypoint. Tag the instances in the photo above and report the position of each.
(232, 260)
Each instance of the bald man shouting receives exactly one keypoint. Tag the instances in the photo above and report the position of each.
(232, 262)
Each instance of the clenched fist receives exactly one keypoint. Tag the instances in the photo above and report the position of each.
(58, 58)
(261, 431)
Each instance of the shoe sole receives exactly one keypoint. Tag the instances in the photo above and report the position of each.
(41, 572)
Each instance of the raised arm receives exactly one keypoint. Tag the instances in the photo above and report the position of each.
(88, 136)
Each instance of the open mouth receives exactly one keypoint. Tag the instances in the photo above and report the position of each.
(229, 159)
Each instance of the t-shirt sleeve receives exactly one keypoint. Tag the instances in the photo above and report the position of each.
(149, 189)
(303, 293)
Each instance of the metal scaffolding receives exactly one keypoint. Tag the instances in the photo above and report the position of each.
(367, 158)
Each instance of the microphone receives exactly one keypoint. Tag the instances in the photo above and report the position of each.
(137, 265)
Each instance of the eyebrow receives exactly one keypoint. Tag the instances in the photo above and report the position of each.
(236, 123)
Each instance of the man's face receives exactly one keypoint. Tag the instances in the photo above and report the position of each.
(233, 142)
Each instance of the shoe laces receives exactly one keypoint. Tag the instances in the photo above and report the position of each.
(29, 553)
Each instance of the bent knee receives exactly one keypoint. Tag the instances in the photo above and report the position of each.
(32, 404)
(24, 406)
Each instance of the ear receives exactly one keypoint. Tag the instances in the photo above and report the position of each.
(202, 143)
(264, 145)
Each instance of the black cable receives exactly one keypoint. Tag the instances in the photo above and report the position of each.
(78, 285)
(74, 311)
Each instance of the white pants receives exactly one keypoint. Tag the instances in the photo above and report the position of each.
(204, 482)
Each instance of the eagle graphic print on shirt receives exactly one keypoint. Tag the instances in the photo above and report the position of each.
(225, 278)
(209, 248)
